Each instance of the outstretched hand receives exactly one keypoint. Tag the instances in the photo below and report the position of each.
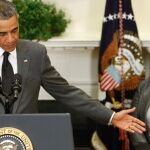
(127, 122)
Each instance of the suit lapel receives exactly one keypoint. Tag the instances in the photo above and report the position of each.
(145, 102)
(23, 60)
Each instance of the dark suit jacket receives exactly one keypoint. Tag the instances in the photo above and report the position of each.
(36, 70)
(142, 102)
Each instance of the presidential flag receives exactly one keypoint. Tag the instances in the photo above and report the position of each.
(111, 54)
(121, 64)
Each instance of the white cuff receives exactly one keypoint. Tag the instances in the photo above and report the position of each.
(110, 121)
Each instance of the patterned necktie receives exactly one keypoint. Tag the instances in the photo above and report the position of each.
(7, 75)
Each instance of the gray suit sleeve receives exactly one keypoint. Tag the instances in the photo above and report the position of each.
(69, 95)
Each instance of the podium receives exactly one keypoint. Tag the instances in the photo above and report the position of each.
(36, 131)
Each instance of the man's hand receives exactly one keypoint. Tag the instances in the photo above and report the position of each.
(127, 122)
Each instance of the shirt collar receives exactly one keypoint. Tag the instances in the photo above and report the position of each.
(13, 53)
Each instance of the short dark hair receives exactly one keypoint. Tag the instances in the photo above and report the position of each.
(7, 9)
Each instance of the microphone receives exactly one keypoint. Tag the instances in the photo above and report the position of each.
(16, 85)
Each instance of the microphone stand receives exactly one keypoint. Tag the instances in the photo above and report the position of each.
(9, 101)
(4, 99)
(7, 105)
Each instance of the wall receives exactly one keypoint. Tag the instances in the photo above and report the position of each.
(87, 16)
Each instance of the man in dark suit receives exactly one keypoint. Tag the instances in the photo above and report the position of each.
(142, 102)
(31, 61)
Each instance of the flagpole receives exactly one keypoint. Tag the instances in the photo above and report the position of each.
(123, 134)
(121, 52)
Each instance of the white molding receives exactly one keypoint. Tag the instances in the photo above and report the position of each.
(78, 43)
(70, 43)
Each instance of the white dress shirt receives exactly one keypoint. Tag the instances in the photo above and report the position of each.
(12, 59)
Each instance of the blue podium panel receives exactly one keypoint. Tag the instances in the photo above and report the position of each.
(36, 131)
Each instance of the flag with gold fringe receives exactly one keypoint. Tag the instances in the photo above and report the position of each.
(121, 63)
(120, 49)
